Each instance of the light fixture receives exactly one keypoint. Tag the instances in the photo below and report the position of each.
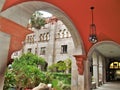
(92, 36)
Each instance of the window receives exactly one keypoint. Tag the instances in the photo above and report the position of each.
(29, 50)
(63, 48)
(35, 50)
(32, 39)
(44, 36)
(61, 33)
(27, 39)
(41, 37)
(64, 33)
(48, 36)
(42, 51)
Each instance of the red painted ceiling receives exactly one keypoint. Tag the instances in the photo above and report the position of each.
(106, 16)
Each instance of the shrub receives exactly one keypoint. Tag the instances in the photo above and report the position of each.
(26, 71)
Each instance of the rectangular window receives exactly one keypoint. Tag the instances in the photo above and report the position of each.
(42, 51)
(35, 50)
(63, 49)
(29, 50)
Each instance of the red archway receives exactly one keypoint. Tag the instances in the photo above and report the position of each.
(107, 18)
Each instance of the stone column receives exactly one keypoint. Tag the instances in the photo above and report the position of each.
(104, 71)
(96, 69)
(100, 70)
(74, 77)
(1, 81)
(1, 4)
(51, 44)
(4, 44)
(80, 64)
(87, 74)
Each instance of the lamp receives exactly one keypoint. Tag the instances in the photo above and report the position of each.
(92, 36)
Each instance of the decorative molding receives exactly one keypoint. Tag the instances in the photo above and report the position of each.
(80, 63)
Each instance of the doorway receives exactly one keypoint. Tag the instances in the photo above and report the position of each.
(104, 63)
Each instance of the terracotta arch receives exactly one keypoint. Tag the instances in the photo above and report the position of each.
(24, 17)
(100, 43)
(91, 51)
(39, 5)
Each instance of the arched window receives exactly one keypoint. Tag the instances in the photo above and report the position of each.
(64, 33)
(41, 37)
(36, 50)
(61, 33)
(48, 36)
(27, 39)
(44, 35)
(30, 39)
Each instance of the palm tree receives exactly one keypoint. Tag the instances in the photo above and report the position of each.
(37, 20)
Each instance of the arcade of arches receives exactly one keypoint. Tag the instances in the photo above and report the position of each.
(95, 64)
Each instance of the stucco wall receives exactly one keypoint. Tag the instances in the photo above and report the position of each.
(4, 44)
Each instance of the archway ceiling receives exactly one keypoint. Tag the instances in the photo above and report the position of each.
(106, 16)
(110, 50)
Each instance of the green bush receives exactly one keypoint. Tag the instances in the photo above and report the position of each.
(9, 80)
(26, 71)
(66, 87)
(61, 79)
(61, 66)
(65, 78)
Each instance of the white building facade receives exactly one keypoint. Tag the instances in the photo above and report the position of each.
(52, 42)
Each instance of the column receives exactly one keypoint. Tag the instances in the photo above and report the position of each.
(100, 71)
(80, 65)
(4, 44)
(74, 77)
(104, 71)
(1, 4)
(95, 69)
(87, 74)
(51, 44)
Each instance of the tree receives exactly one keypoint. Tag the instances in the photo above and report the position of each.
(37, 21)
(68, 64)
(61, 66)
(26, 71)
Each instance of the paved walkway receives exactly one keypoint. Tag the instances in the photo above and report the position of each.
(109, 86)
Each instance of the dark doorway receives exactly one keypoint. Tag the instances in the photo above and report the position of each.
(113, 70)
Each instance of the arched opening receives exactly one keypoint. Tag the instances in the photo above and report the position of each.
(101, 57)
(23, 20)
(24, 11)
(113, 70)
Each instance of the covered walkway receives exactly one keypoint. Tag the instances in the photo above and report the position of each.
(110, 86)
